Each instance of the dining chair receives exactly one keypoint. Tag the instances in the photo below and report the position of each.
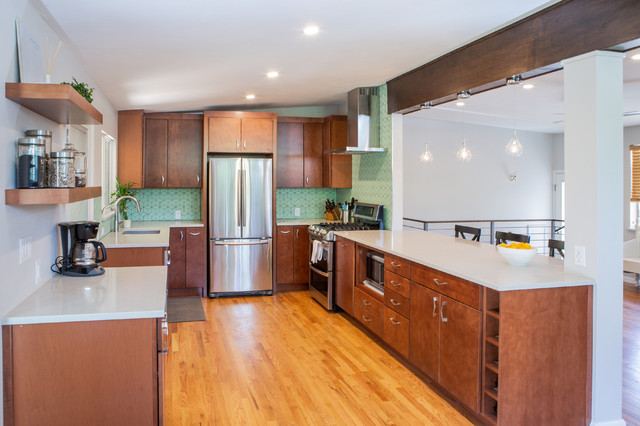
(503, 237)
(463, 231)
(556, 245)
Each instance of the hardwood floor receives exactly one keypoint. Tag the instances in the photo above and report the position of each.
(285, 360)
(631, 355)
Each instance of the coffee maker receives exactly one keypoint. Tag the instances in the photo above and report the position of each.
(80, 254)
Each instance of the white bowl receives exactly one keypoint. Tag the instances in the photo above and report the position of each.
(517, 257)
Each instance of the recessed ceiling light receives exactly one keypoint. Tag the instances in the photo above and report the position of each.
(528, 86)
(636, 57)
(273, 74)
(250, 97)
(311, 30)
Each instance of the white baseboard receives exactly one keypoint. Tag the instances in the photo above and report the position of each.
(619, 422)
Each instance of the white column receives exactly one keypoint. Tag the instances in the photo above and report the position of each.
(594, 188)
(396, 173)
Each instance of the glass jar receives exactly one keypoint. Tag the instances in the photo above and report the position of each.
(80, 161)
(62, 170)
(43, 136)
(30, 163)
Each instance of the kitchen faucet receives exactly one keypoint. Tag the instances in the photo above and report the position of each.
(115, 204)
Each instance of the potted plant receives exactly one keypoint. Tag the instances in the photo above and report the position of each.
(121, 191)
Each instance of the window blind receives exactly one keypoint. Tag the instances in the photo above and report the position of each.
(635, 173)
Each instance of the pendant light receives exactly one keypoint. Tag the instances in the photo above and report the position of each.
(514, 147)
(426, 156)
(464, 153)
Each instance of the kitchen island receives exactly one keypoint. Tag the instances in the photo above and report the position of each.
(87, 350)
(512, 344)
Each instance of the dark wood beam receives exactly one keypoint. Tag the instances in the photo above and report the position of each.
(531, 46)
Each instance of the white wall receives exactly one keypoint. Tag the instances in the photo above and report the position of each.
(38, 222)
(448, 189)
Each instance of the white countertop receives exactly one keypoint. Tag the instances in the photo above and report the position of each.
(146, 240)
(299, 221)
(120, 293)
(473, 261)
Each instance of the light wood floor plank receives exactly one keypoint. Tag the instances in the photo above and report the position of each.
(284, 360)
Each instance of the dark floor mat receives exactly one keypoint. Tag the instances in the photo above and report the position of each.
(185, 309)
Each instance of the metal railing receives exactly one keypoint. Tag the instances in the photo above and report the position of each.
(540, 230)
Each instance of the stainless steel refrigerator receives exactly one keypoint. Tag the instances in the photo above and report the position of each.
(240, 225)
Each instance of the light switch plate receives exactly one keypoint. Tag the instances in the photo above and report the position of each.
(580, 256)
(296, 211)
(178, 214)
(25, 249)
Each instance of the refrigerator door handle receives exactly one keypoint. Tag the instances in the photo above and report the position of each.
(239, 198)
(244, 191)
(240, 242)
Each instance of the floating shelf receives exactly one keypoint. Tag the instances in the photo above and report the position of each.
(50, 195)
(57, 102)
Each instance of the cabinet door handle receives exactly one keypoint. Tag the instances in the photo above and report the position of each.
(163, 179)
(181, 236)
(297, 234)
(435, 280)
(284, 232)
(195, 234)
(198, 178)
(245, 144)
(435, 306)
(167, 257)
(342, 245)
(394, 303)
(307, 180)
(365, 303)
(395, 284)
(395, 265)
(366, 319)
(442, 315)
(165, 336)
(394, 322)
(237, 144)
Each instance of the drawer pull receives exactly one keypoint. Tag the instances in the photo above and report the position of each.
(366, 319)
(395, 284)
(396, 265)
(284, 232)
(394, 303)
(342, 245)
(435, 306)
(365, 303)
(442, 315)
(435, 280)
(394, 322)
(195, 234)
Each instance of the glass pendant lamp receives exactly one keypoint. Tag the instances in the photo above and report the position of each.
(426, 156)
(514, 147)
(464, 153)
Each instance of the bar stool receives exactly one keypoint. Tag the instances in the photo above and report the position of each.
(556, 245)
(462, 230)
(503, 237)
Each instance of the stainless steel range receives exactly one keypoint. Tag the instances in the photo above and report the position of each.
(321, 241)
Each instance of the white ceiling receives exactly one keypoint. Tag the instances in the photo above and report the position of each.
(539, 109)
(181, 55)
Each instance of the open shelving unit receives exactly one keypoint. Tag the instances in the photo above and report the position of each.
(57, 102)
(35, 196)
(491, 350)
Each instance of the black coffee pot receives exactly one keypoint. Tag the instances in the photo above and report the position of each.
(80, 254)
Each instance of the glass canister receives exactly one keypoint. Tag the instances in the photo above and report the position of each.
(30, 163)
(43, 136)
(80, 164)
(62, 170)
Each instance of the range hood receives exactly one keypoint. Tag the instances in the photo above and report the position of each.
(363, 121)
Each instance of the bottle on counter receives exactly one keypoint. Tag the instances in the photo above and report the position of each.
(30, 163)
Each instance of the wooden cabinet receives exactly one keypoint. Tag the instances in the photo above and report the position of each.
(240, 132)
(173, 151)
(396, 331)
(299, 161)
(135, 256)
(424, 336)
(84, 373)
(368, 310)
(336, 169)
(187, 267)
(344, 273)
(130, 139)
(292, 257)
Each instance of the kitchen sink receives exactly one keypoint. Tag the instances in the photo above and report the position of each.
(140, 231)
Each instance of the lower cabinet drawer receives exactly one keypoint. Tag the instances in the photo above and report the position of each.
(366, 317)
(396, 302)
(396, 283)
(396, 331)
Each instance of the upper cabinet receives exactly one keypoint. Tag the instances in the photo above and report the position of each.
(240, 132)
(336, 169)
(160, 150)
(299, 161)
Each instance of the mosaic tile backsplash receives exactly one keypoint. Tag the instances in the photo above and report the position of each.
(310, 200)
(372, 172)
(161, 204)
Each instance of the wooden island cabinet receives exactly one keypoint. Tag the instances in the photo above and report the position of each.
(511, 356)
(292, 257)
(186, 274)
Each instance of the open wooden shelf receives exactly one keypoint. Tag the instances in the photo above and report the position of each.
(493, 341)
(492, 393)
(494, 313)
(57, 102)
(50, 195)
(492, 367)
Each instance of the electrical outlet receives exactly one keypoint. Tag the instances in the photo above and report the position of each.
(178, 214)
(296, 211)
(25, 249)
(37, 272)
(580, 256)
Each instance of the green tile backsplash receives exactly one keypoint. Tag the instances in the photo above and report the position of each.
(161, 204)
(310, 200)
(372, 181)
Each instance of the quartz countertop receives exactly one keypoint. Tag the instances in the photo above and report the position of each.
(473, 261)
(299, 221)
(119, 293)
(146, 240)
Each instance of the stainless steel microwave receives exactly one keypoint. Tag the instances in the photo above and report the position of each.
(375, 270)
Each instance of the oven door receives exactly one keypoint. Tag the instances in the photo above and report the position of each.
(321, 275)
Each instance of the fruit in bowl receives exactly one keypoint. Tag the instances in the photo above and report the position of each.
(517, 254)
